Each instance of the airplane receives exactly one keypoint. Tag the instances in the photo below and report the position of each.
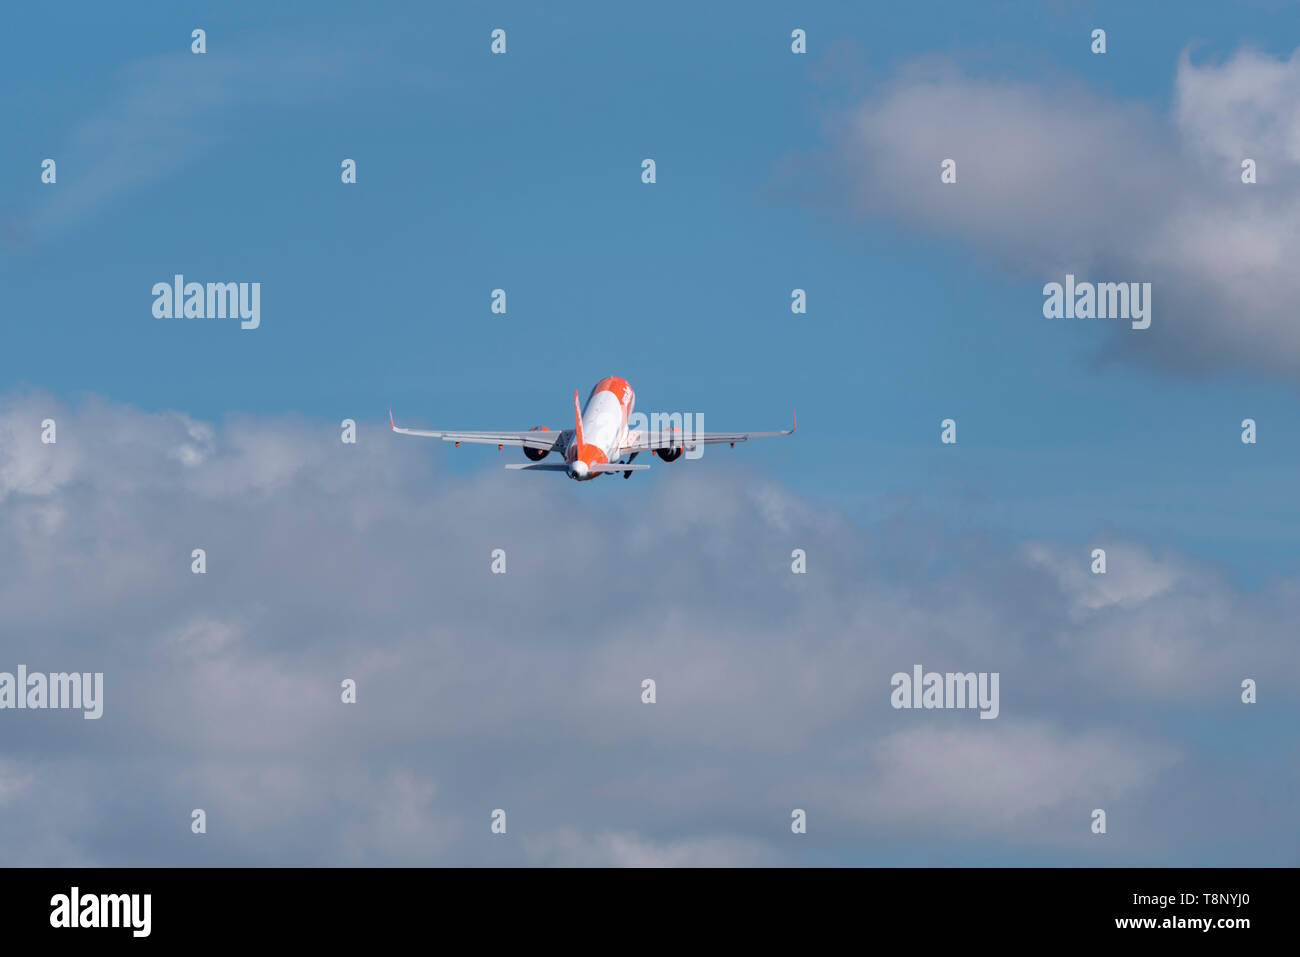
(598, 439)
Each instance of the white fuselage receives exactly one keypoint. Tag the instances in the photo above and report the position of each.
(604, 427)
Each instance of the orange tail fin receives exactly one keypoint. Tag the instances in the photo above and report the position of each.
(577, 420)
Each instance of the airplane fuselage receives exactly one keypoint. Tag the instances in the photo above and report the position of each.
(604, 428)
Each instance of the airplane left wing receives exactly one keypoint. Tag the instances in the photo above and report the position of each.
(532, 439)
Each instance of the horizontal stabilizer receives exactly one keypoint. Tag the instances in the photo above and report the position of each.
(540, 467)
(615, 467)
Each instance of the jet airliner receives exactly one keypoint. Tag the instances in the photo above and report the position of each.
(600, 437)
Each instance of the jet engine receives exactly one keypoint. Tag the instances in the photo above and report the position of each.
(669, 455)
(537, 455)
(672, 454)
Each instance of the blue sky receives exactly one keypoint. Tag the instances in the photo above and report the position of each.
(523, 172)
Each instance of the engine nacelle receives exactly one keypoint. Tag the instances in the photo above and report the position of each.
(672, 454)
(537, 455)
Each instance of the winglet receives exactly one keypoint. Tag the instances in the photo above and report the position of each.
(390, 419)
(794, 424)
(577, 420)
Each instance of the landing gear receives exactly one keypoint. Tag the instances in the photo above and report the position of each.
(627, 473)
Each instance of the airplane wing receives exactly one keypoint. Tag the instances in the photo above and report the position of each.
(543, 467)
(639, 440)
(616, 467)
(535, 439)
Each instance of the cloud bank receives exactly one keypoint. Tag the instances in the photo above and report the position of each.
(522, 691)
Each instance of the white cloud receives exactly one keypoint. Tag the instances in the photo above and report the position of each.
(569, 848)
(329, 561)
(1055, 179)
(1028, 781)
(13, 782)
